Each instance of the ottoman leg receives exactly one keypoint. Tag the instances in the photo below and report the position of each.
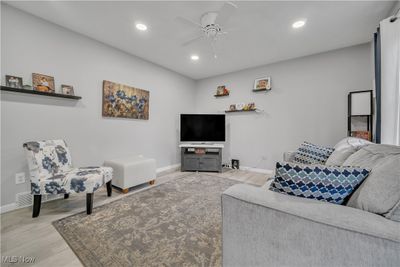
(125, 190)
(152, 182)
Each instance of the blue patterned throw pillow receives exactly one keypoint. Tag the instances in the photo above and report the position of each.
(309, 153)
(331, 184)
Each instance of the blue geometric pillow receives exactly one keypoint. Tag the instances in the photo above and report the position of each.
(309, 153)
(331, 184)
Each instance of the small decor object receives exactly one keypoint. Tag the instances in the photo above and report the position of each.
(309, 153)
(232, 107)
(240, 106)
(67, 89)
(13, 81)
(235, 164)
(330, 184)
(222, 91)
(362, 134)
(200, 151)
(124, 101)
(262, 84)
(43, 83)
(250, 106)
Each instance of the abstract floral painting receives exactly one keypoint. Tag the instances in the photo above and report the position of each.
(123, 101)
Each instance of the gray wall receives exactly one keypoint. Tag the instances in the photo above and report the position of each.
(308, 101)
(30, 44)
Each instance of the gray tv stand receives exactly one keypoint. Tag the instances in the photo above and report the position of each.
(210, 161)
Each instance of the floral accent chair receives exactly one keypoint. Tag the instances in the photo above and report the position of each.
(51, 172)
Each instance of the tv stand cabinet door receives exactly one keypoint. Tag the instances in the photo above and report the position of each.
(190, 163)
(208, 163)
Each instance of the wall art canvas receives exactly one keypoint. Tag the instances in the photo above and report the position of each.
(123, 101)
(43, 83)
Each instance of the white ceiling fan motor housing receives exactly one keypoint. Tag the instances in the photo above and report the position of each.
(208, 24)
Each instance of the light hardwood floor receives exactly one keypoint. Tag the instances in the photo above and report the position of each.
(21, 235)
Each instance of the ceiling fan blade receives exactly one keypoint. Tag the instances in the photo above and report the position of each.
(188, 22)
(193, 40)
(225, 12)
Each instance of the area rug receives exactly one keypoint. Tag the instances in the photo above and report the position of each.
(177, 223)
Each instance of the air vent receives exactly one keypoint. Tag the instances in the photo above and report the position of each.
(25, 199)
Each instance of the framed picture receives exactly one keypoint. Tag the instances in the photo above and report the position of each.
(67, 89)
(43, 83)
(123, 101)
(13, 81)
(262, 83)
(220, 89)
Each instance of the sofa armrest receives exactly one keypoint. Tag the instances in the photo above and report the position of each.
(264, 228)
(288, 156)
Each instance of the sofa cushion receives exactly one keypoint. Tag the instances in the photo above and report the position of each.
(330, 184)
(344, 149)
(379, 193)
(309, 153)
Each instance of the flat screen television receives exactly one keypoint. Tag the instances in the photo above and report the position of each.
(202, 127)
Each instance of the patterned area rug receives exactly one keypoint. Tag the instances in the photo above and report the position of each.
(177, 223)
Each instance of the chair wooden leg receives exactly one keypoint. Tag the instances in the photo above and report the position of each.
(37, 201)
(66, 196)
(109, 189)
(89, 203)
(152, 182)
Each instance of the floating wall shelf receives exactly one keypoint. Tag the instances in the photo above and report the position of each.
(221, 95)
(251, 110)
(33, 92)
(261, 90)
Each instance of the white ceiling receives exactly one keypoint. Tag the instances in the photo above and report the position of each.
(262, 30)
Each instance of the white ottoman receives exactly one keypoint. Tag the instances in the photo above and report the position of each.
(132, 171)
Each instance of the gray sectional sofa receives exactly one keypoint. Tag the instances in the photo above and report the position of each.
(265, 228)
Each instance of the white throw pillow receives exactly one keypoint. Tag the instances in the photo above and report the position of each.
(344, 149)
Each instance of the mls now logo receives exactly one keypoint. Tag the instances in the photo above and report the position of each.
(18, 259)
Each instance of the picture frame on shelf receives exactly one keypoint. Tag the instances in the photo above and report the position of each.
(43, 83)
(262, 84)
(14, 81)
(222, 91)
(67, 89)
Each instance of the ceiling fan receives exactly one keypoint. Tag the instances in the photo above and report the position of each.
(211, 25)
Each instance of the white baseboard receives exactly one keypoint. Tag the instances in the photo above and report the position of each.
(269, 172)
(8, 207)
(168, 168)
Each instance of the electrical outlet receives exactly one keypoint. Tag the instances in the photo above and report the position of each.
(20, 178)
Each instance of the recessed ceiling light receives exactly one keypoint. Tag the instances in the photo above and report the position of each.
(141, 27)
(194, 57)
(298, 24)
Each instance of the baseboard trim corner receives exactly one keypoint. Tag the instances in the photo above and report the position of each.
(166, 169)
